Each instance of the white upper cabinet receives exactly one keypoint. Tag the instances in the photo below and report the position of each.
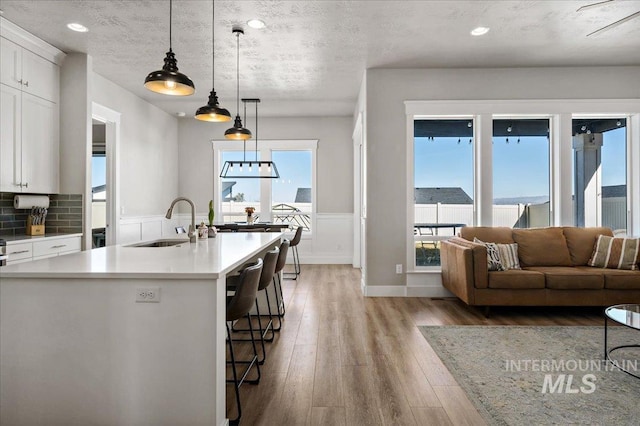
(10, 64)
(31, 73)
(29, 112)
(40, 145)
(10, 139)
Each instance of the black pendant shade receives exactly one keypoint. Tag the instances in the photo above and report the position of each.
(212, 111)
(168, 80)
(237, 132)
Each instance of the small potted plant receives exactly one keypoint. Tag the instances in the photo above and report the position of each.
(249, 211)
(212, 229)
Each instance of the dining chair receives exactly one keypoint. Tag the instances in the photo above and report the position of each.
(238, 306)
(266, 278)
(296, 257)
(277, 281)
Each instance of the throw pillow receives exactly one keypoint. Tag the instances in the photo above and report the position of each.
(500, 257)
(616, 253)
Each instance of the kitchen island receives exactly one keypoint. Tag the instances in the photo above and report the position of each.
(78, 345)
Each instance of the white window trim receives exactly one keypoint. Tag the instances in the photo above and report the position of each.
(265, 148)
(561, 113)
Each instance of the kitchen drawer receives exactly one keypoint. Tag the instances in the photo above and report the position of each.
(20, 251)
(53, 247)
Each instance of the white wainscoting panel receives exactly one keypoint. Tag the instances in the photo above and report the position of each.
(134, 229)
(331, 242)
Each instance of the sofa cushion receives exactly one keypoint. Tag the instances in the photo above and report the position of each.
(571, 278)
(581, 241)
(501, 257)
(493, 256)
(618, 279)
(542, 247)
(516, 279)
(490, 234)
(616, 253)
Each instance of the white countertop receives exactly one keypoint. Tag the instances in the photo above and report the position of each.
(17, 239)
(207, 258)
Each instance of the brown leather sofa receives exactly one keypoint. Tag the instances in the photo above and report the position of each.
(554, 269)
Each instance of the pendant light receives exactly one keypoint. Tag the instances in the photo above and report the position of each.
(168, 80)
(245, 169)
(237, 132)
(212, 111)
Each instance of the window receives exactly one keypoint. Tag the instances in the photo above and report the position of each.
(291, 200)
(529, 181)
(521, 191)
(288, 199)
(236, 194)
(443, 184)
(600, 172)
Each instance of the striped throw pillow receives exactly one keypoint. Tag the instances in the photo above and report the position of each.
(616, 253)
(501, 257)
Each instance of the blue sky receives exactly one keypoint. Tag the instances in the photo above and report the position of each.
(443, 162)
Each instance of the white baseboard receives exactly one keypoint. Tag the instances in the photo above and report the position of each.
(405, 291)
(343, 259)
(419, 284)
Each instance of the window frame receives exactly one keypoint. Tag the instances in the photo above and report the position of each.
(560, 112)
(265, 149)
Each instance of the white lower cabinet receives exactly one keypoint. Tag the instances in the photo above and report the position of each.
(20, 252)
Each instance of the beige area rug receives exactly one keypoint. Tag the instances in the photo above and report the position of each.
(520, 375)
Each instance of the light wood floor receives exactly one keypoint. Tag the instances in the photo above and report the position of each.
(343, 359)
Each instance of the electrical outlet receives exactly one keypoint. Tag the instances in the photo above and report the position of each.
(148, 295)
(399, 268)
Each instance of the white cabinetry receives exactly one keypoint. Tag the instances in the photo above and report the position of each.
(24, 70)
(25, 251)
(29, 113)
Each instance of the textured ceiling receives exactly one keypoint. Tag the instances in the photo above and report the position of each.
(310, 58)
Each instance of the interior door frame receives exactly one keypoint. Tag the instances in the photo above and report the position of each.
(111, 119)
(357, 191)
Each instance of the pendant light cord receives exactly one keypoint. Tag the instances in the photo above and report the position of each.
(170, 21)
(257, 130)
(213, 44)
(238, 73)
(245, 120)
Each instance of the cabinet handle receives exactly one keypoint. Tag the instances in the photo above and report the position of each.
(19, 252)
(20, 81)
(26, 185)
(26, 83)
(59, 246)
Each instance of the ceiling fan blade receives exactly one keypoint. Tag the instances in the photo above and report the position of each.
(589, 6)
(615, 24)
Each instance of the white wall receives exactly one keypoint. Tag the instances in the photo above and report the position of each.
(334, 156)
(332, 240)
(148, 150)
(387, 89)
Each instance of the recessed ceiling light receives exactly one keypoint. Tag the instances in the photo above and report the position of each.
(74, 26)
(256, 23)
(181, 114)
(479, 31)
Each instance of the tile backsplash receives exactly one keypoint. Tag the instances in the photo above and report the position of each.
(64, 216)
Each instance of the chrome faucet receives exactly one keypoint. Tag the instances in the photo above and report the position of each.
(192, 227)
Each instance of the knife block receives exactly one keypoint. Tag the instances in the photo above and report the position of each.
(34, 229)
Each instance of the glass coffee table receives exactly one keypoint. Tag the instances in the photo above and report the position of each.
(627, 315)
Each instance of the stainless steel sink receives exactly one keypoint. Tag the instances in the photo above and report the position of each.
(160, 243)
